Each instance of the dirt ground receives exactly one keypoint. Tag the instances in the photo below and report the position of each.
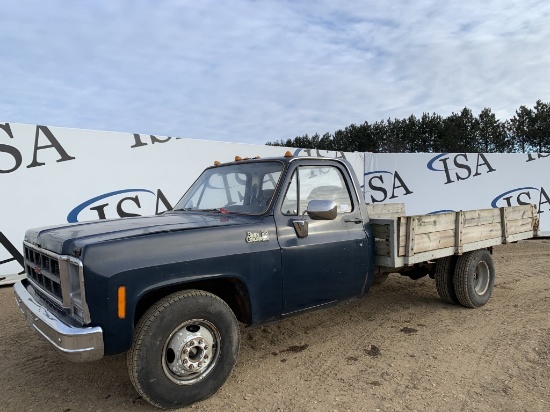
(397, 348)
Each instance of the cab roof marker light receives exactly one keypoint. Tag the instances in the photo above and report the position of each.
(288, 154)
(217, 163)
(239, 158)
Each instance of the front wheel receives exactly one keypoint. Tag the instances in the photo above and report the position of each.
(474, 278)
(184, 349)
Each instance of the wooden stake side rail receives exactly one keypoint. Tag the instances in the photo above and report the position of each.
(406, 240)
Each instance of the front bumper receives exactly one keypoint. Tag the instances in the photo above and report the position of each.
(79, 344)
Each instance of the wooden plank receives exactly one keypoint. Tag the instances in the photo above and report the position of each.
(435, 240)
(401, 235)
(385, 210)
(479, 233)
(535, 219)
(486, 216)
(522, 236)
(459, 221)
(435, 222)
(411, 227)
(504, 224)
(520, 212)
(481, 217)
(380, 231)
(382, 248)
(520, 226)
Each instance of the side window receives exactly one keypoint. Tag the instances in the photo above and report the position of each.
(316, 183)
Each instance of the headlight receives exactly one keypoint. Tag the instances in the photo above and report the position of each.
(74, 297)
(75, 290)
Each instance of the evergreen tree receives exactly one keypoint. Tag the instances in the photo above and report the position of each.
(491, 133)
(528, 130)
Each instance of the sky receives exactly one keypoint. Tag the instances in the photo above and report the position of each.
(253, 71)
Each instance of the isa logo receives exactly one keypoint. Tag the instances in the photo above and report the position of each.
(318, 153)
(460, 166)
(524, 196)
(382, 184)
(120, 203)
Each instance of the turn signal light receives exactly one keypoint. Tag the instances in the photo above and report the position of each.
(121, 302)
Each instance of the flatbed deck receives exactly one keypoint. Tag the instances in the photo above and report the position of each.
(402, 240)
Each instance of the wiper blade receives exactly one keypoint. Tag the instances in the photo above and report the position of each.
(192, 209)
(220, 210)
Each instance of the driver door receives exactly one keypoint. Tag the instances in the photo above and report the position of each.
(323, 266)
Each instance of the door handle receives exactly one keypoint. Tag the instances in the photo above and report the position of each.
(355, 220)
(301, 227)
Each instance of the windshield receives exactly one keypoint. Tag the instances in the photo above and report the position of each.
(245, 188)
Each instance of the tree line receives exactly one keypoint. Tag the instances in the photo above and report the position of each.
(527, 131)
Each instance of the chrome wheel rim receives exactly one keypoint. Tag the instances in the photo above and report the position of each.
(481, 278)
(191, 351)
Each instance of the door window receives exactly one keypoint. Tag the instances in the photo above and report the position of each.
(316, 183)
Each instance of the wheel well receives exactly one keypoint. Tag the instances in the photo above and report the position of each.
(230, 290)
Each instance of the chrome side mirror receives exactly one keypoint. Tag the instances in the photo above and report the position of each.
(317, 210)
(322, 209)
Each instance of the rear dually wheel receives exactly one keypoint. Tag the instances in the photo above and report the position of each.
(474, 278)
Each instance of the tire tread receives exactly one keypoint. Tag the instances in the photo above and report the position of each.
(444, 283)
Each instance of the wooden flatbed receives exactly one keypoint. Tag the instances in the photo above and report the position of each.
(402, 241)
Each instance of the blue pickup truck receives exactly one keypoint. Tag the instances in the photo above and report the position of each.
(252, 241)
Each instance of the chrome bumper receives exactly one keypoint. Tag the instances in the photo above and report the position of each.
(79, 344)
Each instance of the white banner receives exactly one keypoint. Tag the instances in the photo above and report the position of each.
(435, 183)
(51, 175)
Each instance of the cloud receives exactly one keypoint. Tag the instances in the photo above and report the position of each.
(257, 71)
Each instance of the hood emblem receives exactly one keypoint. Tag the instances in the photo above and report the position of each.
(252, 237)
(37, 270)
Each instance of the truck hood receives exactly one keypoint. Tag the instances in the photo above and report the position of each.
(62, 239)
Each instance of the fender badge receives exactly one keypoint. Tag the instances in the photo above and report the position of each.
(257, 237)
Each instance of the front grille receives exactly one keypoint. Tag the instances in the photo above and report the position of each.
(43, 270)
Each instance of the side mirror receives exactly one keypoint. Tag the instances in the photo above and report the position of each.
(317, 210)
(322, 209)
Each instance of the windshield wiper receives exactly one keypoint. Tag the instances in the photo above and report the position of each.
(216, 210)
(192, 209)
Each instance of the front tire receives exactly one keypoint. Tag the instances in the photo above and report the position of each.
(184, 349)
(474, 278)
